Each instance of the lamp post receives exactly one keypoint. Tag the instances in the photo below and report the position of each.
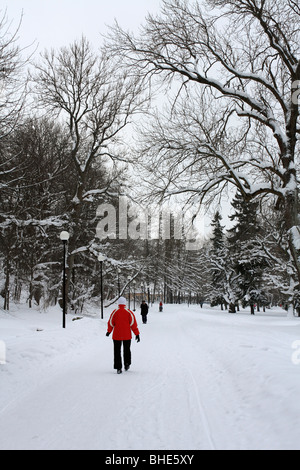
(101, 258)
(64, 236)
(134, 284)
(119, 288)
(129, 278)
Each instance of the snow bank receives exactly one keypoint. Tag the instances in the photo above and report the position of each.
(200, 379)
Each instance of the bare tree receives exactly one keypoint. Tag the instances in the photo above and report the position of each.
(13, 89)
(96, 102)
(12, 77)
(12, 99)
(243, 55)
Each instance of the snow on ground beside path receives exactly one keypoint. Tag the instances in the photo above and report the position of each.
(200, 379)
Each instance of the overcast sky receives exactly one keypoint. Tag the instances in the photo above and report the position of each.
(56, 23)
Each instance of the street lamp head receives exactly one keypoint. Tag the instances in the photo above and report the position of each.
(64, 236)
(101, 258)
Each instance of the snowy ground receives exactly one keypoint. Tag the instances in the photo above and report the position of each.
(200, 379)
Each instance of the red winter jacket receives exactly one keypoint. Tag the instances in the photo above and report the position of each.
(122, 321)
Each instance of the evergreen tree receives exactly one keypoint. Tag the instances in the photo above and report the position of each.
(217, 262)
(247, 257)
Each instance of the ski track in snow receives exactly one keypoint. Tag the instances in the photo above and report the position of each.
(200, 379)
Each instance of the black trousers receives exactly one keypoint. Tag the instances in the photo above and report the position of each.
(126, 353)
(144, 317)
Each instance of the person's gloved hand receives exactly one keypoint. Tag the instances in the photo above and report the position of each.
(107, 334)
(137, 338)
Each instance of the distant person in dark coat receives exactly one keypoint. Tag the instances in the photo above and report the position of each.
(144, 311)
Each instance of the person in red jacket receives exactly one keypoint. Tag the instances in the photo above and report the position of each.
(122, 322)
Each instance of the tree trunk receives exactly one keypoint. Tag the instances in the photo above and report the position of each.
(232, 308)
(291, 217)
(6, 287)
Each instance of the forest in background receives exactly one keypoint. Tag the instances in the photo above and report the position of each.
(79, 131)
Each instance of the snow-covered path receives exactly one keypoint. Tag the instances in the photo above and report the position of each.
(200, 379)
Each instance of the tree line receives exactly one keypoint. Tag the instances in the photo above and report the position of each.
(80, 128)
